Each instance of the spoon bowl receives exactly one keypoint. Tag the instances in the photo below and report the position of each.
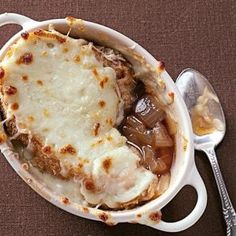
(205, 108)
(191, 85)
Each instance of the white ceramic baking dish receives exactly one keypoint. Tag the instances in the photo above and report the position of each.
(183, 170)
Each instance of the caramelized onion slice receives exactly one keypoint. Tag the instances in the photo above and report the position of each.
(151, 162)
(166, 155)
(149, 111)
(161, 136)
(137, 137)
(132, 121)
(136, 132)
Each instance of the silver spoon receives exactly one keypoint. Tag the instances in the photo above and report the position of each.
(195, 89)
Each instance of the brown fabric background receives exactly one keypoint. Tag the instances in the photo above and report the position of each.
(198, 34)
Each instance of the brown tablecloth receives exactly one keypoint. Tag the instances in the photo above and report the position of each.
(198, 34)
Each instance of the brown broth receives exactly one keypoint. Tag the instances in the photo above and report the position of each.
(154, 143)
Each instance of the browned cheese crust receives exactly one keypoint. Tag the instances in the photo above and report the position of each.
(46, 161)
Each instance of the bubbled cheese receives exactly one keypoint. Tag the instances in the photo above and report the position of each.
(67, 98)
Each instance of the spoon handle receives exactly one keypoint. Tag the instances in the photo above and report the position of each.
(228, 209)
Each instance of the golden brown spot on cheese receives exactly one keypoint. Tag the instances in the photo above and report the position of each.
(78, 171)
(2, 72)
(103, 82)
(65, 200)
(139, 215)
(85, 161)
(106, 164)
(109, 121)
(77, 59)
(85, 210)
(26, 58)
(109, 138)
(25, 35)
(25, 166)
(14, 106)
(45, 130)
(48, 164)
(44, 53)
(95, 72)
(68, 149)
(155, 216)
(36, 142)
(89, 184)
(24, 77)
(10, 90)
(9, 53)
(103, 216)
(65, 50)
(100, 141)
(46, 113)
(50, 45)
(47, 150)
(3, 138)
(39, 82)
(81, 165)
(102, 103)
(43, 33)
(30, 118)
(96, 129)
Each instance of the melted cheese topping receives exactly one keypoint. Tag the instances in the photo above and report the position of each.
(63, 95)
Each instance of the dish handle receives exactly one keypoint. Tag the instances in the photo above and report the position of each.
(195, 181)
(13, 18)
